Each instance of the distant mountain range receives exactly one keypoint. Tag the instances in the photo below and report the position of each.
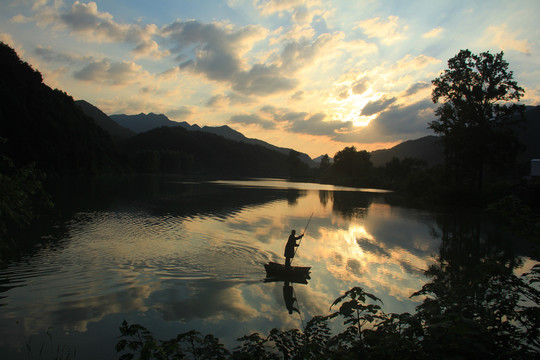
(427, 148)
(144, 122)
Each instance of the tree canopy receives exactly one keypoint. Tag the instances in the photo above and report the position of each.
(476, 118)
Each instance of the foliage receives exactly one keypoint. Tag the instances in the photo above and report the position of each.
(22, 199)
(350, 167)
(475, 120)
(140, 340)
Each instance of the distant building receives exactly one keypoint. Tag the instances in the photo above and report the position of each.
(535, 167)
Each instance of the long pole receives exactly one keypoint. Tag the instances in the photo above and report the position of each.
(295, 250)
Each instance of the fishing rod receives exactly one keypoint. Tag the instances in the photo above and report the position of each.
(295, 250)
(298, 303)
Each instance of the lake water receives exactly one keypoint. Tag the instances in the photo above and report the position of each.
(176, 256)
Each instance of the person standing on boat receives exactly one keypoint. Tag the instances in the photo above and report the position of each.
(290, 247)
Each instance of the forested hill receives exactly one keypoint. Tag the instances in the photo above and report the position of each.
(177, 150)
(44, 126)
(144, 122)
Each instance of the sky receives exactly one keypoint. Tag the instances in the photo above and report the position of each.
(313, 75)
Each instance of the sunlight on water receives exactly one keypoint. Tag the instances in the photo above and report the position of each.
(176, 265)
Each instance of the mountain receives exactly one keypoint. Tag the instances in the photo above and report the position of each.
(104, 121)
(143, 122)
(178, 150)
(229, 133)
(427, 148)
(42, 126)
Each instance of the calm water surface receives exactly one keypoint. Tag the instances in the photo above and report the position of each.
(176, 256)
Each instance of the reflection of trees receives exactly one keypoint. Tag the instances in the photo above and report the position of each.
(293, 195)
(325, 196)
(351, 204)
(476, 306)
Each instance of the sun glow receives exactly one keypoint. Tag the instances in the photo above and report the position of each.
(349, 108)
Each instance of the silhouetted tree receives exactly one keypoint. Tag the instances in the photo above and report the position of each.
(352, 166)
(475, 120)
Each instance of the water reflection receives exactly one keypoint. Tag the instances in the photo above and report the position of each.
(179, 256)
(475, 300)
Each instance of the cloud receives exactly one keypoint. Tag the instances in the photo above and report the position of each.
(433, 33)
(297, 55)
(389, 30)
(397, 122)
(401, 122)
(374, 107)
(48, 54)
(416, 87)
(262, 80)
(360, 86)
(7, 39)
(249, 119)
(316, 125)
(269, 7)
(181, 113)
(499, 35)
(86, 20)
(112, 73)
(215, 52)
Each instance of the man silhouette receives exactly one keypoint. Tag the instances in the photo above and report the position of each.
(289, 248)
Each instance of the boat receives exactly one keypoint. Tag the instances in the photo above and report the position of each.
(276, 270)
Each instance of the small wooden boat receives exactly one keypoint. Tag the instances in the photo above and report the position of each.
(280, 270)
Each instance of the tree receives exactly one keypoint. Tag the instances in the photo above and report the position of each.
(352, 164)
(476, 117)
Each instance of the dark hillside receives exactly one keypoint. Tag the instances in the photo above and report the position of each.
(175, 149)
(44, 126)
(426, 148)
(105, 122)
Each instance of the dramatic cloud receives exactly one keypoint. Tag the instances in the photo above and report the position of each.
(340, 72)
(216, 54)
